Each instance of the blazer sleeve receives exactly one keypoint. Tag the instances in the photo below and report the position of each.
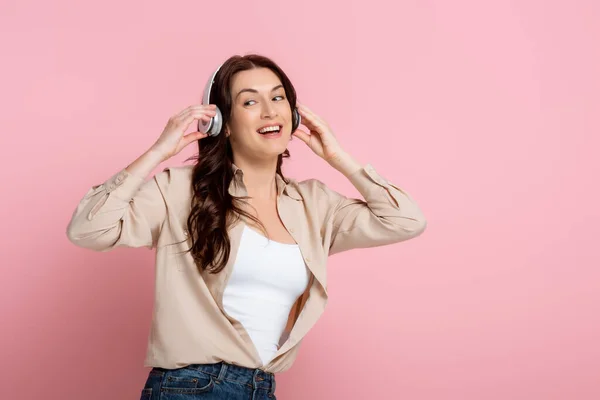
(387, 214)
(125, 211)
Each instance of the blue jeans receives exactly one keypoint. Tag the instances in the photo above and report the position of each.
(210, 382)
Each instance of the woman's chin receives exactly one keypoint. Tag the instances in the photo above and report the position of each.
(276, 146)
(266, 148)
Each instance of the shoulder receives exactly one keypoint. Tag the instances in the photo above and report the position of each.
(314, 190)
(174, 182)
(174, 176)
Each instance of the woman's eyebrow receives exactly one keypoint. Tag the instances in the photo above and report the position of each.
(256, 91)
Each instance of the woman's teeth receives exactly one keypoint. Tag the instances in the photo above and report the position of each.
(269, 129)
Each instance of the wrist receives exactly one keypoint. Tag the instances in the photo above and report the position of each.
(345, 163)
(157, 154)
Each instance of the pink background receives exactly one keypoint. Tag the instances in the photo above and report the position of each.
(486, 112)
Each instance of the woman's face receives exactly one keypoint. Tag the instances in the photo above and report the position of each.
(258, 101)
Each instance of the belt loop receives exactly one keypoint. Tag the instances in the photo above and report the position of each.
(272, 384)
(222, 372)
(255, 378)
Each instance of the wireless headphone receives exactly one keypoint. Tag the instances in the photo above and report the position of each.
(214, 125)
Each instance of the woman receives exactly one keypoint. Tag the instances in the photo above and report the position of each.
(241, 251)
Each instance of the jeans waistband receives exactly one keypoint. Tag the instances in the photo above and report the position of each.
(255, 378)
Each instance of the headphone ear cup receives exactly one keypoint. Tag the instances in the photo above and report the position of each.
(296, 119)
(217, 123)
(213, 126)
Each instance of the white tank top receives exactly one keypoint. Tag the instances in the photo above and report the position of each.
(267, 279)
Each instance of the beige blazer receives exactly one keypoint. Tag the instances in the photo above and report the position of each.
(189, 325)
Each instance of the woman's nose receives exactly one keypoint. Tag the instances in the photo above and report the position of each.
(269, 111)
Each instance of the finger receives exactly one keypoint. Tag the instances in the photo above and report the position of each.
(309, 112)
(203, 109)
(207, 107)
(305, 137)
(308, 120)
(211, 113)
(306, 112)
(201, 117)
(185, 121)
(197, 114)
(193, 136)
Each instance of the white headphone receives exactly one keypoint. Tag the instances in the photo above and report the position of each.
(213, 126)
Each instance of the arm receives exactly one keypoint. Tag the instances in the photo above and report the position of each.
(125, 210)
(122, 211)
(386, 215)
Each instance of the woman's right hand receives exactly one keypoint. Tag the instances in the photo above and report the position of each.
(172, 139)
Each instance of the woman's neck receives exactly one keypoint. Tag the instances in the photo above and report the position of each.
(259, 178)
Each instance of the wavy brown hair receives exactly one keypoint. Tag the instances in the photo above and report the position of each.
(214, 209)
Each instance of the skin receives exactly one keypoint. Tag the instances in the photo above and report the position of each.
(253, 110)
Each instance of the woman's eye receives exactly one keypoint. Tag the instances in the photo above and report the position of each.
(250, 102)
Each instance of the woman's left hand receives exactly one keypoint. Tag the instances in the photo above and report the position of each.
(321, 139)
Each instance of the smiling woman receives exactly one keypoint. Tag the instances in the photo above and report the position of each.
(253, 96)
(232, 305)
(263, 108)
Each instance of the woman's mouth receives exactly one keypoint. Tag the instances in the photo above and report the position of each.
(270, 131)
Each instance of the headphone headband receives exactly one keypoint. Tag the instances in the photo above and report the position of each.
(213, 126)
(208, 87)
